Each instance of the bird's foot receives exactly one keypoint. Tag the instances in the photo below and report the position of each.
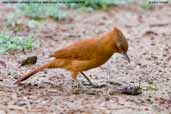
(78, 87)
(93, 85)
(86, 84)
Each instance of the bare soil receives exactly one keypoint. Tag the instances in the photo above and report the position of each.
(52, 92)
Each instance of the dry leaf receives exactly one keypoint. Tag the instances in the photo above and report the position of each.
(149, 32)
(136, 90)
(29, 61)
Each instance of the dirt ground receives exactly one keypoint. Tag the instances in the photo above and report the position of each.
(51, 91)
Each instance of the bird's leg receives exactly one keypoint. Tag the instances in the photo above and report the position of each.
(74, 77)
(90, 83)
(76, 83)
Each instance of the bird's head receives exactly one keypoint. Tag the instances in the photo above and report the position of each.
(121, 43)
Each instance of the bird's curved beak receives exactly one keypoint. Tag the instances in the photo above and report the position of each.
(126, 57)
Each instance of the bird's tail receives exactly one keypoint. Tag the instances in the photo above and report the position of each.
(34, 71)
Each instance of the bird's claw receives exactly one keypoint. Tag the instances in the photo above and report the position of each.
(93, 85)
(87, 84)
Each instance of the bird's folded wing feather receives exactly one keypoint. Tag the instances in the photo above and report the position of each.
(82, 50)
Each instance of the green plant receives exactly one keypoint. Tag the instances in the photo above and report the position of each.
(95, 4)
(14, 42)
(146, 5)
(41, 10)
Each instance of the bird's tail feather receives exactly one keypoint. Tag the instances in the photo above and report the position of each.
(34, 71)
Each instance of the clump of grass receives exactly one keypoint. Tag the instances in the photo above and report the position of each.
(146, 5)
(96, 4)
(12, 43)
(39, 11)
(55, 11)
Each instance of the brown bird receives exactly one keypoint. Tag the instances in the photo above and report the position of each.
(85, 54)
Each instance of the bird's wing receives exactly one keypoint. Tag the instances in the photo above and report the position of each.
(82, 50)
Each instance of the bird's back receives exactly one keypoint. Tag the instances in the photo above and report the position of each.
(81, 50)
